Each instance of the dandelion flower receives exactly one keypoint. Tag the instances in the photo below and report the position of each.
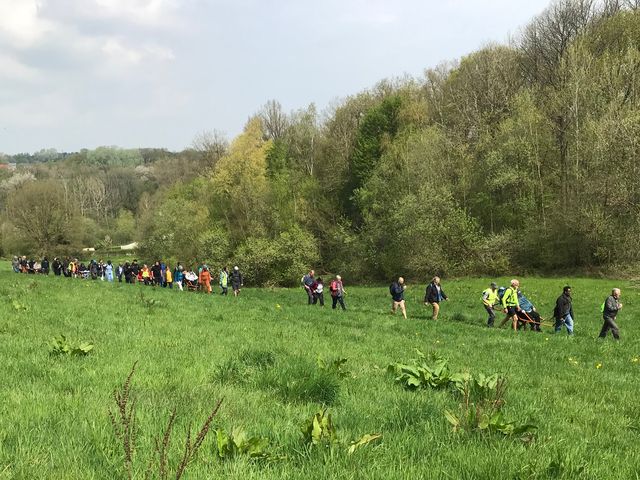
(598, 365)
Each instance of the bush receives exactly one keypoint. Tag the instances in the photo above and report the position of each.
(280, 261)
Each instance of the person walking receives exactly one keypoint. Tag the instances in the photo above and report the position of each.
(15, 264)
(434, 295)
(511, 305)
(610, 311)
(120, 269)
(168, 277)
(490, 300)
(338, 292)
(236, 281)
(224, 281)
(528, 314)
(318, 292)
(178, 276)
(307, 283)
(135, 270)
(108, 271)
(205, 279)
(45, 266)
(396, 290)
(56, 265)
(563, 312)
(156, 274)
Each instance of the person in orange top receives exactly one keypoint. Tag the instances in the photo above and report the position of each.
(205, 279)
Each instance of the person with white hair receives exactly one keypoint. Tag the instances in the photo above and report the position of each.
(337, 292)
(236, 281)
(610, 311)
(434, 295)
(511, 304)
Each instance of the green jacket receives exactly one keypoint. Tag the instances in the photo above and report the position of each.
(224, 279)
(510, 298)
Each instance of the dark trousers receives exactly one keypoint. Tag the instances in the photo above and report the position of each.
(337, 300)
(492, 316)
(309, 295)
(224, 291)
(319, 297)
(610, 324)
(532, 318)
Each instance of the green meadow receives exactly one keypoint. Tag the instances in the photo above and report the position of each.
(269, 356)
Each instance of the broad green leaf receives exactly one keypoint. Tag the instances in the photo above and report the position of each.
(452, 419)
(364, 440)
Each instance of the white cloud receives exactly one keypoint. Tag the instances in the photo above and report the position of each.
(11, 68)
(20, 23)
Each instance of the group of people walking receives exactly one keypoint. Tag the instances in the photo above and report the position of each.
(518, 309)
(314, 288)
(159, 274)
(433, 296)
(521, 312)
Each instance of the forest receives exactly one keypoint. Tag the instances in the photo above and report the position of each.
(520, 157)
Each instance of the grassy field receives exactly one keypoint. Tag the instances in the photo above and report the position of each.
(259, 352)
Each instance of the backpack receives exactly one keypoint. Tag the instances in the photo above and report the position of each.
(501, 292)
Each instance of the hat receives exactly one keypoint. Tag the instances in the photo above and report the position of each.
(494, 285)
(235, 268)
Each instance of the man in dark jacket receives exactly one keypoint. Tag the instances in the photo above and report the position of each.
(563, 312)
(434, 295)
(236, 281)
(610, 311)
(307, 283)
(133, 272)
(56, 266)
(45, 266)
(156, 270)
(397, 297)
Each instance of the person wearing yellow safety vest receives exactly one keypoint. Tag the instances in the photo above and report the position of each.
(489, 300)
(511, 305)
(224, 280)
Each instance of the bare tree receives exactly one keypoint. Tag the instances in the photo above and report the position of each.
(212, 145)
(274, 121)
(547, 38)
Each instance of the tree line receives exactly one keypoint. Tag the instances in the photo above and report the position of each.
(520, 157)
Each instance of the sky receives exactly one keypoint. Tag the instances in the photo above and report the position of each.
(155, 73)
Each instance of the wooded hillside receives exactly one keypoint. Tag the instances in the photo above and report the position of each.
(517, 157)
